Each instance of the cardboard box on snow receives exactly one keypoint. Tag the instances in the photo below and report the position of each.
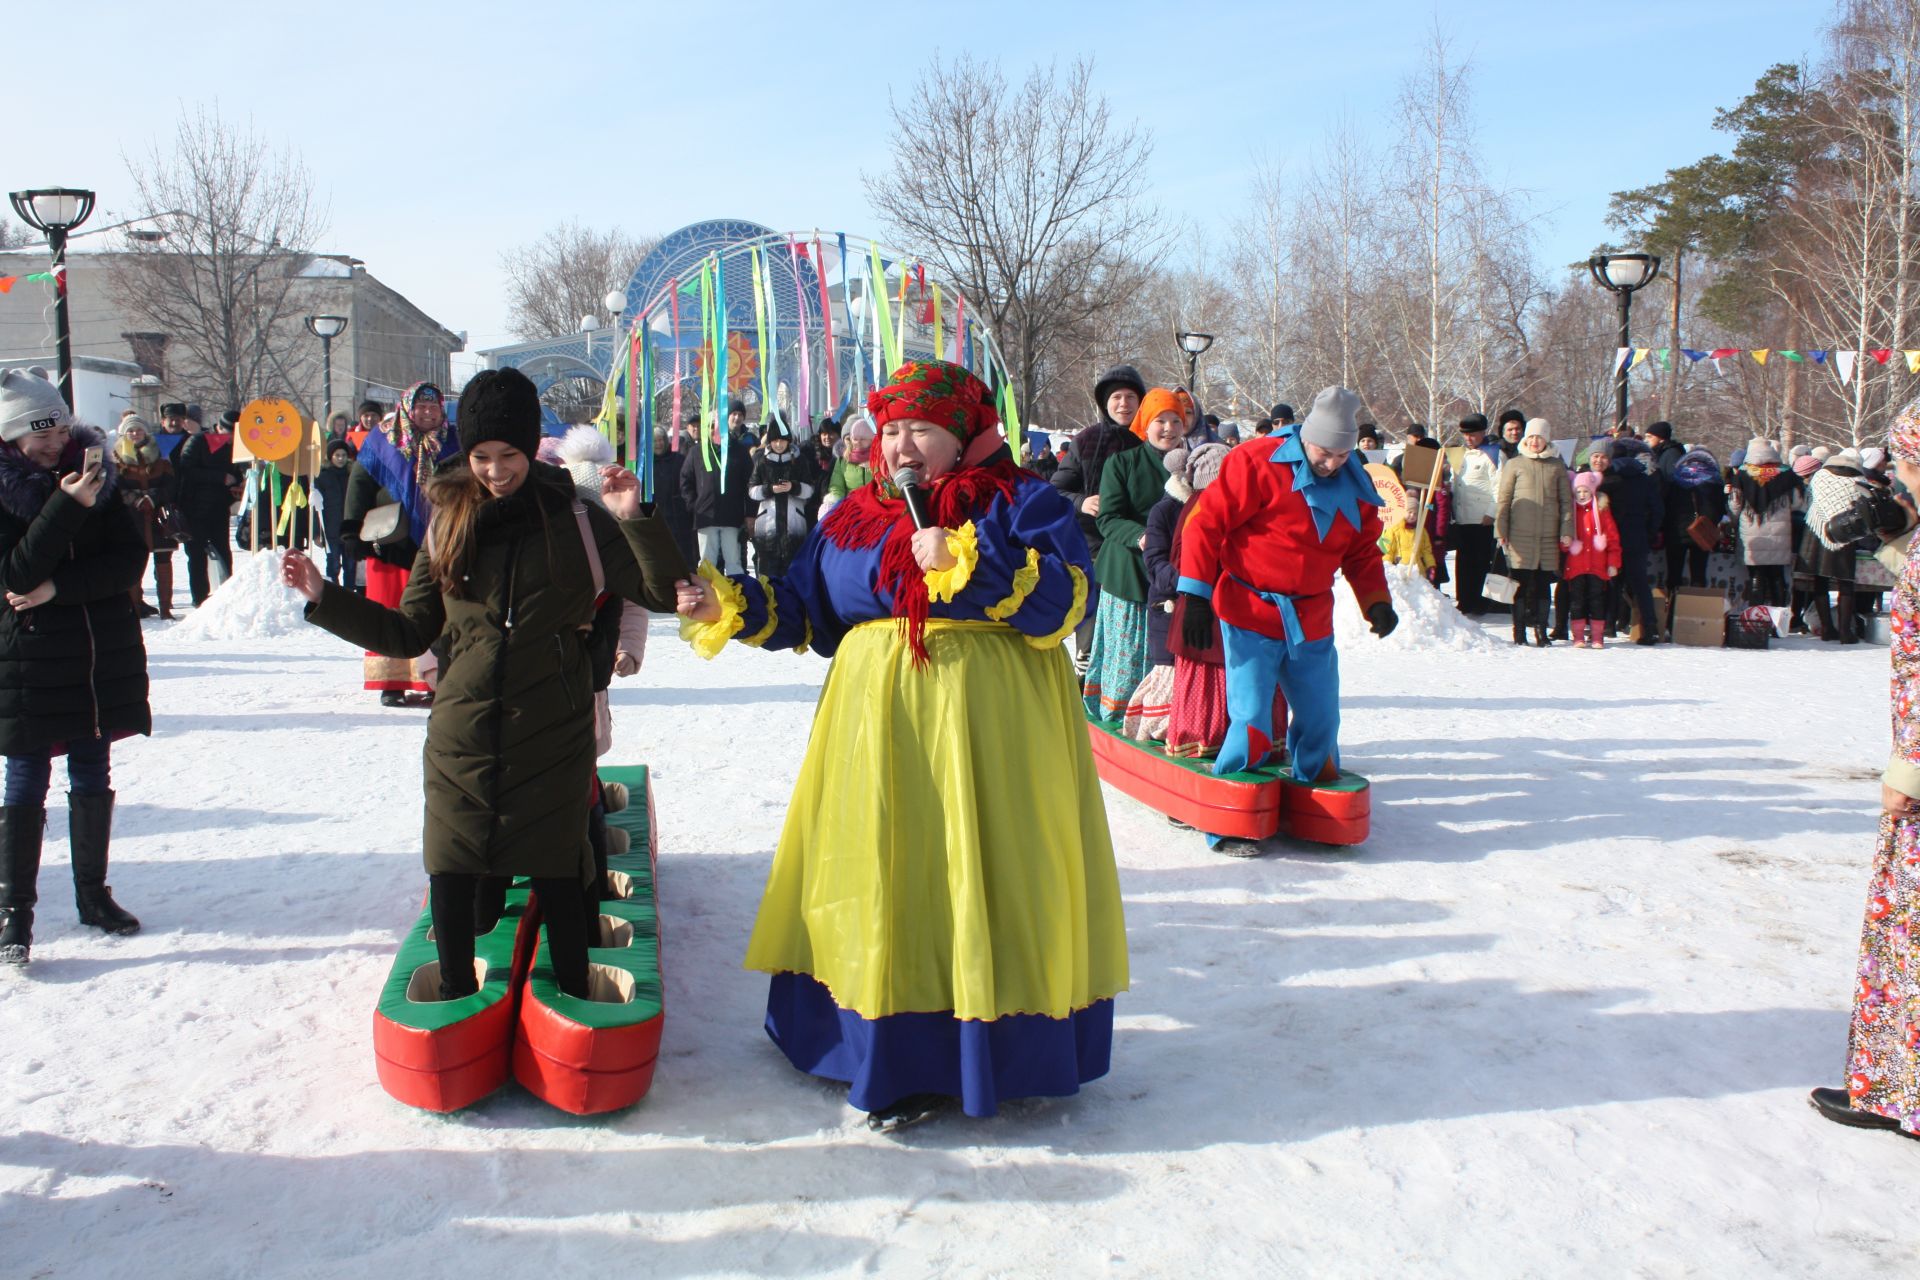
(1700, 618)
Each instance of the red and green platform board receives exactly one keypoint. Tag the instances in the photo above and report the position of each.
(582, 1056)
(1250, 805)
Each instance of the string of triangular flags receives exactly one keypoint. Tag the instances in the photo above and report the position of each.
(7, 282)
(1843, 362)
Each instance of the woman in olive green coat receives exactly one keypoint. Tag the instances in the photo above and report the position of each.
(1129, 486)
(508, 578)
(1533, 521)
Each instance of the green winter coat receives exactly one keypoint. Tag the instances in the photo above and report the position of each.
(510, 750)
(1130, 484)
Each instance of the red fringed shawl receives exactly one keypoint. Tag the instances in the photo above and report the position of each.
(868, 517)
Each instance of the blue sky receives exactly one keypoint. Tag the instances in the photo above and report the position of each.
(441, 134)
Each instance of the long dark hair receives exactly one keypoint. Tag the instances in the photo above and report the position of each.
(453, 532)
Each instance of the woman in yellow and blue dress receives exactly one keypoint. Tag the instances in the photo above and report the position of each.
(952, 929)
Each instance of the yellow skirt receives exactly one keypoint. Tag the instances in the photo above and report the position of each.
(947, 845)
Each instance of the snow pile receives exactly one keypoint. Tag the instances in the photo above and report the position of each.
(252, 605)
(1428, 619)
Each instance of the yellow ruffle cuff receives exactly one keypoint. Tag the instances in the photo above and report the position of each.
(1075, 613)
(709, 638)
(1025, 579)
(761, 636)
(963, 544)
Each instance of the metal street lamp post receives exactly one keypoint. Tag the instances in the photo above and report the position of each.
(1193, 344)
(55, 212)
(326, 328)
(1622, 274)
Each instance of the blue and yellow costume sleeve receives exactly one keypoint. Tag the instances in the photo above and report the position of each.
(1024, 563)
(769, 613)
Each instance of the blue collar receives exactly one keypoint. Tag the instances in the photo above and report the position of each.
(1339, 494)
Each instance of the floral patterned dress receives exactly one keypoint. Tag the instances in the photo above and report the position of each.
(1883, 1041)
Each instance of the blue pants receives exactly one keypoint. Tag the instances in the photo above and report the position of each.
(89, 772)
(1308, 672)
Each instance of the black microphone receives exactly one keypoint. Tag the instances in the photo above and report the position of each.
(907, 480)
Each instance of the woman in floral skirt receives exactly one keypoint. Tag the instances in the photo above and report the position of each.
(1883, 1041)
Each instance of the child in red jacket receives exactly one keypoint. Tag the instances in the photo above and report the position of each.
(1592, 560)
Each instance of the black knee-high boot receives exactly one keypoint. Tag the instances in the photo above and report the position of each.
(90, 831)
(21, 829)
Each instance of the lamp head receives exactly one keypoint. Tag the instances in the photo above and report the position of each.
(326, 326)
(52, 209)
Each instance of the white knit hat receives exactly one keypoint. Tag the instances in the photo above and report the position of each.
(30, 403)
(1537, 427)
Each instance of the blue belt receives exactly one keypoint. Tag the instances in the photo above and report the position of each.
(1289, 617)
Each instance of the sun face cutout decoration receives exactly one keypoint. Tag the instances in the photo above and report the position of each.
(270, 429)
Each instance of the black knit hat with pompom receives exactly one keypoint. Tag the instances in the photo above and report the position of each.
(500, 405)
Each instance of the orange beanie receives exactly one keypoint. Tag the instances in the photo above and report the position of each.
(1161, 400)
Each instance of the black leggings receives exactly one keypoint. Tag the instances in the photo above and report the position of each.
(456, 900)
(1587, 597)
(1767, 584)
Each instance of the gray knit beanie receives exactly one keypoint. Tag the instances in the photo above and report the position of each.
(1203, 466)
(29, 403)
(1334, 421)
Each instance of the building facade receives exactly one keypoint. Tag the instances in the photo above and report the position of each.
(388, 345)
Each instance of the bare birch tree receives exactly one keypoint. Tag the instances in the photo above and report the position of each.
(236, 224)
(1028, 198)
(565, 275)
(1453, 246)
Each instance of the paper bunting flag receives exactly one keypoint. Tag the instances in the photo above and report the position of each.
(1818, 357)
(1721, 353)
(1913, 361)
(1760, 356)
(1620, 357)
(1665, 356)
(36, 277)
(1881, 354)
(1788, 353)
(1639, 354)
(1843, 360)
(1693, 357)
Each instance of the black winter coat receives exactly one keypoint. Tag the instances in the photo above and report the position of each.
(701, 492)
(669, 504)
(1163, 573)
(331, 488)
(1087, 454)
(205, 498)
(74, 667)
(510, 749)
(1635, 499)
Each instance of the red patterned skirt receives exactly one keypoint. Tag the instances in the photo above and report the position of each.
(386, 583)
(1197, 724)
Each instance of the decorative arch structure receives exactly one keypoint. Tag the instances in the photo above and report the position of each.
(799, 322)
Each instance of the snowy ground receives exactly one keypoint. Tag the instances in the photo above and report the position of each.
(1557, 1017)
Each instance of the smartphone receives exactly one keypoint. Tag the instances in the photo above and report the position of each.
(92, 460)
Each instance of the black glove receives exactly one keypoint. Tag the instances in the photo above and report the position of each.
(1382, 618)
(355, 548)
(1196, 625)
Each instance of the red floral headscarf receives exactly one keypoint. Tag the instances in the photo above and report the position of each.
(944, 394)
(948, 396)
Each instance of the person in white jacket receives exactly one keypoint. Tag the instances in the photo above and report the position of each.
(1475, 495)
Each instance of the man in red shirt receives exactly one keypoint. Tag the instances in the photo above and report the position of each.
(1259, 552)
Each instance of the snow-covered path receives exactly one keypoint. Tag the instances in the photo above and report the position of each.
(1557, 1017)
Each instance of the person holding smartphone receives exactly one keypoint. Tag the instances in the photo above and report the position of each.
(73, 669)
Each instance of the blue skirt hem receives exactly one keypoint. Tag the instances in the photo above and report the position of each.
(883, 1060)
